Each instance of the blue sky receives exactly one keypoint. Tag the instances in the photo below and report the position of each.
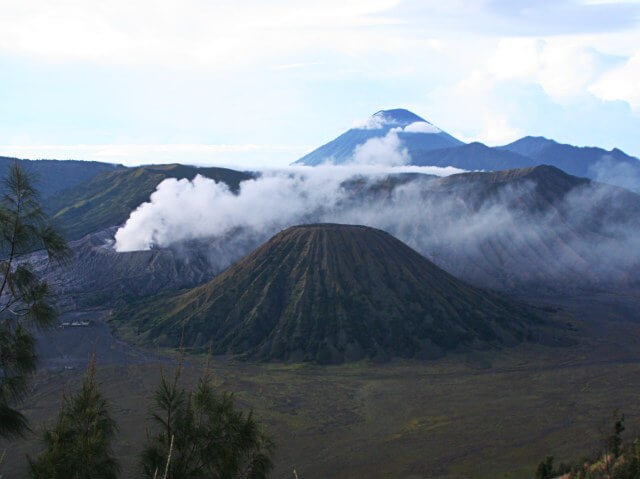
(262, 82)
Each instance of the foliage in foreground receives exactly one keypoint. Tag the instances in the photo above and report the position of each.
(25, 299)
(79, 445)
(201, 434)
(619, 460)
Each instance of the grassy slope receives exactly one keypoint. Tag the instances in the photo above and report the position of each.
(54, 176)
(108, 199)
(487, 415)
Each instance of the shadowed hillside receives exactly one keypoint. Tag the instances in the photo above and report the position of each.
(54, 176)
(99, 276)
(530, 229)
(108, 199)
(536, 226)
(575, 160)
(333, 293)
(472, 156)
(526, 230)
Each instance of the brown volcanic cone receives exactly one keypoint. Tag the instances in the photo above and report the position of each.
(330, 293)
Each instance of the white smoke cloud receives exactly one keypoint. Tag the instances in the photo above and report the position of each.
(387, 150)
(608, 170)
(374, 122)
(382, 150)
(497, 241)
(621, 83)
(182, 210)
(421, 127)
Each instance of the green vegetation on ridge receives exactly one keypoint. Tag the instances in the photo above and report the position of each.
(109, 198)
(51, 177)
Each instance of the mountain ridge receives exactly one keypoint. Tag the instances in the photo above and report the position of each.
(582, 161)
(438, 148)
(55, 176)
(401, 116)
(341, 149)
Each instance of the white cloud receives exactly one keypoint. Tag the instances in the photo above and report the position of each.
(276, 199)
(294, 66)
(621, 83)
(244, 156)
(374, 122)
(502, 91)
(384, 150)
(515, 58)
(213, 34)
(608, 170)
(484, 117)
(421, 127)
(378, 122)
(603, 2)
(498, 131)
(445, 226)
(298, 65)
(562, 67)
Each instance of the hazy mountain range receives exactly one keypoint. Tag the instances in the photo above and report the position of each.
(522, 230)
(402, 137)
(150, 231)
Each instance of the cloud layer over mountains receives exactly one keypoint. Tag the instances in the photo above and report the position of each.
(498, 233)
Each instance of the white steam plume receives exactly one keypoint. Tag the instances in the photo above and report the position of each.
(383, 150)
(182, 210)
(389, 150)
(501, 240)
(625, 174)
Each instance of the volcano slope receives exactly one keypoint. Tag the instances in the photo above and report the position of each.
(100, 277)
(331, 293)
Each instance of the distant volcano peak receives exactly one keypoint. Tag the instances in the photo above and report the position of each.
(399, 116)
(417, 135)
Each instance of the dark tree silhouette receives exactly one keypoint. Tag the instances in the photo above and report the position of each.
(79, 445)
(25, 299)
(201, 434)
